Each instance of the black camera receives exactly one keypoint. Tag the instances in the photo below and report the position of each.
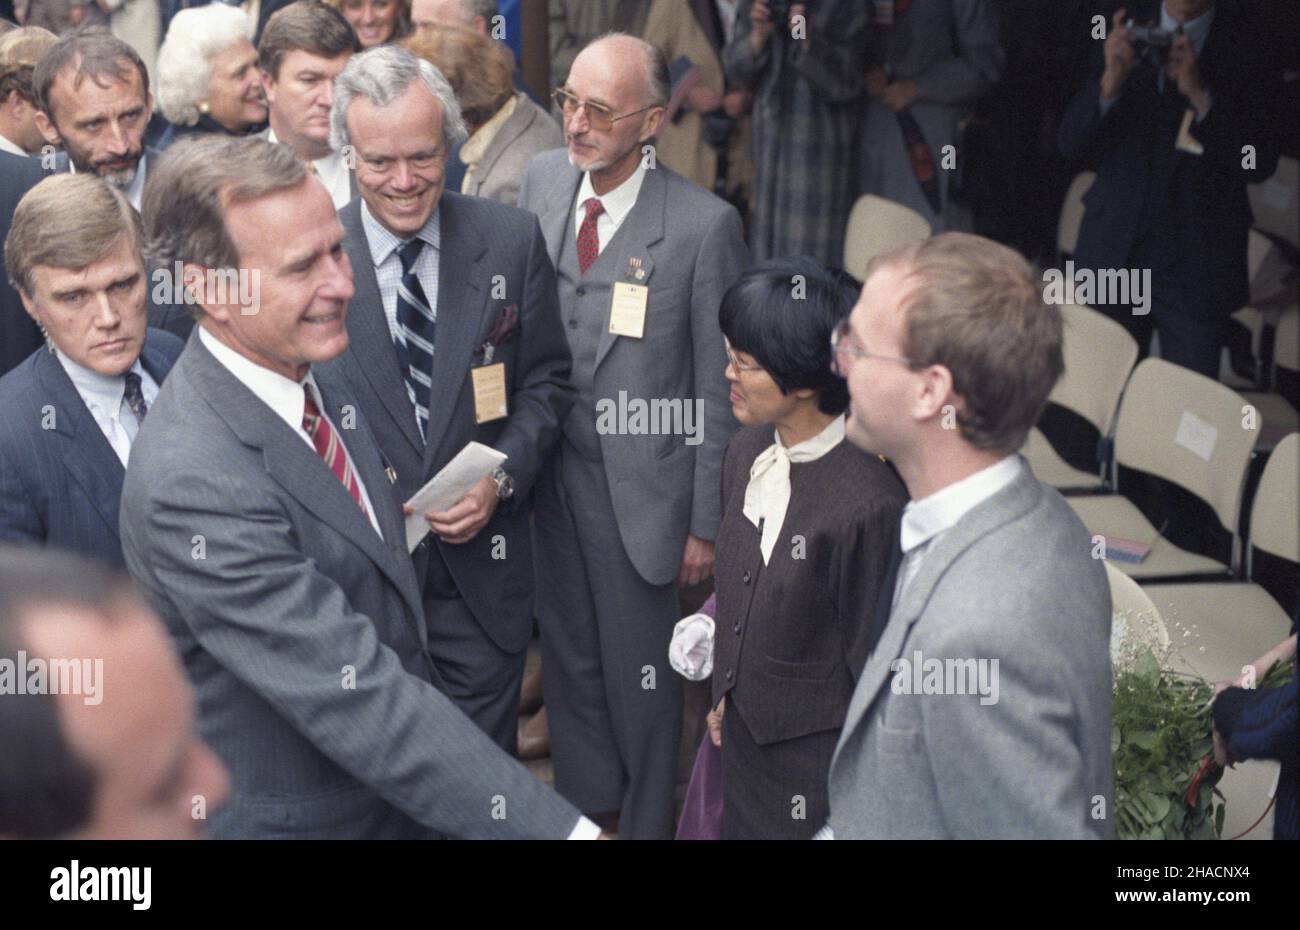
(1151, 43)
(1151, 36)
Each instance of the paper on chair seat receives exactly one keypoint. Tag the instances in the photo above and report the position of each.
(457, 478)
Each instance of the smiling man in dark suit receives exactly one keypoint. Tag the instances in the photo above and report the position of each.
(71, 414)
(452, 293)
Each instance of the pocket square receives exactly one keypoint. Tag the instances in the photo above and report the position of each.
(506, 324)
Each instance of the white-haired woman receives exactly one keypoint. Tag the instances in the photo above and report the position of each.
(207, 74)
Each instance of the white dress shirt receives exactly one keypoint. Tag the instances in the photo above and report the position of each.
(333, 173)
(104, 397)
(388, 265)
(926, 520)
(285, 398)
(767, 496)
(7, 146)
(618, 203)
(727, 10)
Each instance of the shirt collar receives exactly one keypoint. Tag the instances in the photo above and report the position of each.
(471, 153)
(283, 395)
(619, 202)
(927, 518)
(815, 447)
(7, 146)
(328, 168)
(383, 243)
(1197, 30)
(100, 392)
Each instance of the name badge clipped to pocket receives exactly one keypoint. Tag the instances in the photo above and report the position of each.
(489, 392)
(628, 306)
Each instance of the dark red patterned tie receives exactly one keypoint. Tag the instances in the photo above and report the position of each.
(588, 242)
(330, 449)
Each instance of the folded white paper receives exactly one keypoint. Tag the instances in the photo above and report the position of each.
(444, 489)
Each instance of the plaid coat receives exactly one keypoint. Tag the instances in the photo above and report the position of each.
(807, 102)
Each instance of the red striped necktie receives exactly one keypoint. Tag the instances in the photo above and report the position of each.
(330, 448)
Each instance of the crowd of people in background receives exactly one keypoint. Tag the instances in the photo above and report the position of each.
(270, 267)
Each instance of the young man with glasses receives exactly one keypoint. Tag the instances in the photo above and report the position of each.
(950, 354)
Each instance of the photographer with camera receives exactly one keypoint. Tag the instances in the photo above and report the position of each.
(804, 63)
(1173, 115)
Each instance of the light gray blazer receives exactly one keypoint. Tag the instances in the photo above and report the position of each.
(692, 249)
(302, 631)
(1012, 581)
(529, 130)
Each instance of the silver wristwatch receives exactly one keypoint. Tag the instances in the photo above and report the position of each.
(505, 484)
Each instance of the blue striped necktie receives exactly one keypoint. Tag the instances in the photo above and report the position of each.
(415, 319)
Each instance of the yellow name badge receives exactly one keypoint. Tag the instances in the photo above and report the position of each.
(627, 309)
(489, 392)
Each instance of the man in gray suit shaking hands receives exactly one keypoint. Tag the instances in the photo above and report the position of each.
(257, 514)
(631, 502)
(984, 707)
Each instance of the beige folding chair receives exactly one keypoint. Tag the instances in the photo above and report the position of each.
(1099, 356)
(1274, 202)
(1187, 429)
(1259, 250)
(876, 225)
(1228, 624)
(1067, 227)
(1236, 622)
(1276, 411)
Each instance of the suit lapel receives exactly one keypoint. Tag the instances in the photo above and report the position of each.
(371, 342)
(643, 227)
(1003, 507)
(87, 455)
(462, 277)
(293, 464)
(554, 220)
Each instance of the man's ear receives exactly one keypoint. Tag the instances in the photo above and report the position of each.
(193, 278)
(268, 86)
(30, 306)
(654, 119)
(46, 127)
(935, 393)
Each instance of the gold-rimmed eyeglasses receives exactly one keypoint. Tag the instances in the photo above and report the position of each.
(601, 117)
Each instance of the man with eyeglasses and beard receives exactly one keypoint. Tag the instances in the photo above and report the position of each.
(625, 515)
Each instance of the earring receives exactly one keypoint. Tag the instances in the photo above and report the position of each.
(204, 108)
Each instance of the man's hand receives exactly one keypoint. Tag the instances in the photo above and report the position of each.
(697, 562)
(899, 95)
(467, 516)
(760, 17)
(1182, 68)
(1221, 753)
(703, 99)
(1119, 57)
(715, 722)
(736, 102)
(876, 81)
